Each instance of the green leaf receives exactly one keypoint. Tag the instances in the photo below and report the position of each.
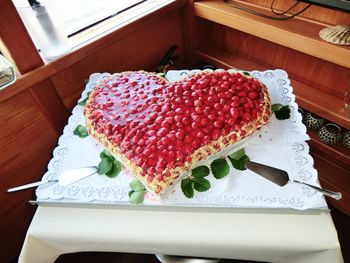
(219, 168)
(283, 113)
(200, 171)
(130, 192)
(105, 165)
(81, 131)
(83, 102)
(115, 170)
(137, 197)
(237, 154)
(162, 75)
(246, 73)
(187, 187)
(201, 184)
(276, 107)
(106, 154)
(136, 185)
(240, 163)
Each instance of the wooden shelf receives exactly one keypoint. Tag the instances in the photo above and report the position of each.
(335, 178)
(297, 34)
(309, 98)
(337, 150)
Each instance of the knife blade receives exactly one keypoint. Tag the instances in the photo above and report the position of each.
(275, 175)
(281, 178)
(66, 178)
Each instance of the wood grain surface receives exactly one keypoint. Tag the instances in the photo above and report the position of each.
(315, 13)
(296, 34)
(26, 140)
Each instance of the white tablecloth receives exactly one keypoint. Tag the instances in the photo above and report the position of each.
(249, 235)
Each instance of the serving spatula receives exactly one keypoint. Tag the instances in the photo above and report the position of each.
(66, 178)
(281, 178)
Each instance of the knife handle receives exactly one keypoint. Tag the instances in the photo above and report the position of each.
(335, 195)
(26, 186)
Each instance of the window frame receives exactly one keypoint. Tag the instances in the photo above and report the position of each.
(86, 43)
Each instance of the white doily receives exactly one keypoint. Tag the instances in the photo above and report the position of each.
(280, 144)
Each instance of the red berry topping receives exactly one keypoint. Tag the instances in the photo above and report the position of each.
(158, 125)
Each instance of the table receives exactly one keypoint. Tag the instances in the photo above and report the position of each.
(262, 234)
(249, 234)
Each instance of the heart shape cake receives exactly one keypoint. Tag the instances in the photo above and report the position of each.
(161, 130)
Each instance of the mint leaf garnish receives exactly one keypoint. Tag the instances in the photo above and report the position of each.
(219, 168)
(105, 165)
(137, 192)
(240, 163)
(201, 184)
(237, 154)
(137, 197)
(238, 159)
(83, 102)
(81, 131)
(196, 181)
(106, 154)
(282, 112)
(245, 73)
(162, 75)
(136, 185)
(187, 187)
(200, 171)
(115, 170)
(276, 107)
(108, 165)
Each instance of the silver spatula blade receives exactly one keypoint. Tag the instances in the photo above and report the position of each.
(281, 178)
(272, 174)
(74, 175)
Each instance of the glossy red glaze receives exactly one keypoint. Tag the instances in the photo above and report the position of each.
(159, 125)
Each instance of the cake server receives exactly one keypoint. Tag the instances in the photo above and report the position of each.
(281, 178)
(66, 178)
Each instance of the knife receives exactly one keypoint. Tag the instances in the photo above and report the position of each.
(281, 178)
(66, 178)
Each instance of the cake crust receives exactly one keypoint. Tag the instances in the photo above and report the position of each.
(161, 130)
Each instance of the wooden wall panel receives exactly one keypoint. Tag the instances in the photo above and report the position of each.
(46, 97)
(27, 141)
(326, 76)
(143, 49)
(334, 176)
(188, 32)
(15, 37)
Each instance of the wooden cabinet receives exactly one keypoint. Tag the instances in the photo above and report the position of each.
(227, 37)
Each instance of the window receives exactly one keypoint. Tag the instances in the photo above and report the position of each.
(49, 22)
(77, 15)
